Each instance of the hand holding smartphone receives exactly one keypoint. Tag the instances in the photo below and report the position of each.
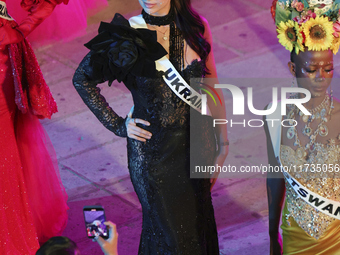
(94, 216)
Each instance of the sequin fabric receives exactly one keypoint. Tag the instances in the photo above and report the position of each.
(326, 184)
(178, 216)
(31, 89)
(17, 233)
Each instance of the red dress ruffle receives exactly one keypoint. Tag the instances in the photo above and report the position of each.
(65, 23)
(32, 197)
(30, 86)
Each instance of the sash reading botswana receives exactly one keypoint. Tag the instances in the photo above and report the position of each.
(3, 11)
(322, 204)
(327, 206)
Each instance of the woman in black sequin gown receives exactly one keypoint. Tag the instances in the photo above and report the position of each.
(178, 216)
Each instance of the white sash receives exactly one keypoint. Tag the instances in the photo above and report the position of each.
(324, 205)
(3, 11)
(172, 78)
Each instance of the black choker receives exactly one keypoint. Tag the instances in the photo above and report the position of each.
(159, 20)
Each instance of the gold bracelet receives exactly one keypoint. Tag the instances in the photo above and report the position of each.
(226, 143)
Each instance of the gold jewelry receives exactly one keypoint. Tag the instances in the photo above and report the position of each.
(322, 130)
(318, 112)
(164, 33)
(332, 103)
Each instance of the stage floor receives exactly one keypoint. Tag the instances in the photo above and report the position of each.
(93, 161)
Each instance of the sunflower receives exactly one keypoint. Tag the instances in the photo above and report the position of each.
(287, 34)
(299, 42)
(319, 33)
(335, 45)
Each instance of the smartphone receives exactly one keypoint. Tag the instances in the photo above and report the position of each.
(94, 216)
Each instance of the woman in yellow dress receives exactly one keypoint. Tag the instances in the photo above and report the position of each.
(308, 147)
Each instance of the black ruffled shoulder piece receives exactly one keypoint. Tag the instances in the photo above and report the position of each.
(120, 50)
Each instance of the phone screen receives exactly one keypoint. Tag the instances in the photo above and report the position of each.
(94, 222)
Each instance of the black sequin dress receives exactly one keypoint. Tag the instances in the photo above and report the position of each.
(178, 216)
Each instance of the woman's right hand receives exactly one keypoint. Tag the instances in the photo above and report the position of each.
(109, 246)
(275, 244)
(135, 132)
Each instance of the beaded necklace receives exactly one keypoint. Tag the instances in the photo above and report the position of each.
(320, 112)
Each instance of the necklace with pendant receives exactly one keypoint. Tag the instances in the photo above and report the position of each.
(165, 37)
(317, 113)
(320, 112)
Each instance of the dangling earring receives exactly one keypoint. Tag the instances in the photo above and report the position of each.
(293, 82)
(294, 85)
(332, 101)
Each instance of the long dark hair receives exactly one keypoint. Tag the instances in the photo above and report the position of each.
(192, 27)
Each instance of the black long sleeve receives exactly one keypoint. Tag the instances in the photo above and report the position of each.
(86, 86)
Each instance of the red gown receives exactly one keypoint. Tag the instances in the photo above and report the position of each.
(32, 199)
(65, 23)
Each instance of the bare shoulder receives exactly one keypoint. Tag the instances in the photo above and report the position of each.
(336, 111)
(207, 31)
(205, 22)
(334, 120)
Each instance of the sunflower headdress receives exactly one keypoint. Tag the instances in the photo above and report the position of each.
(312, 24)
